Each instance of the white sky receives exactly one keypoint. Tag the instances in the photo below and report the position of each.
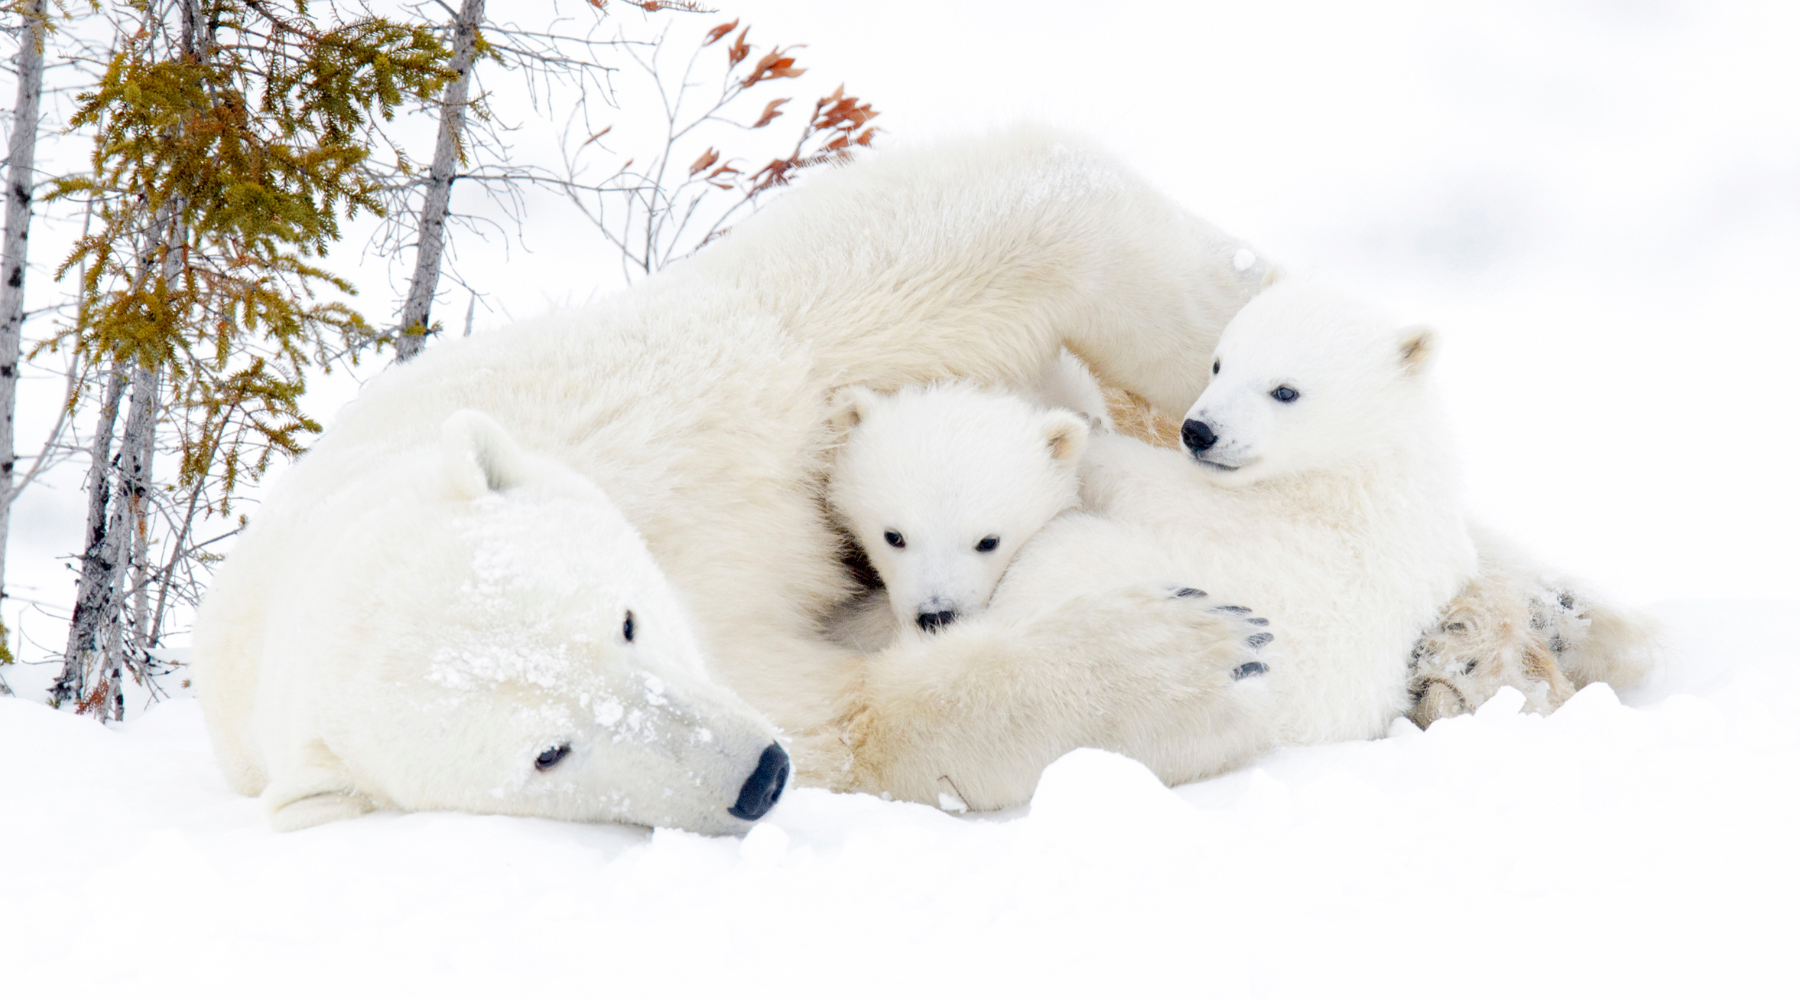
(1596, 201)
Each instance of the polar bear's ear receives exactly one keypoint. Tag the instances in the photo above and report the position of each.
(1066, 433)
(849, 405)
(1418, 347)
(479, 456)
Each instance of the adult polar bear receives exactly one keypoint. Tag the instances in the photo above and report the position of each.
(370, 644)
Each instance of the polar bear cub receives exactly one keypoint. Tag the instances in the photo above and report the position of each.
(1317, 486)
(941, 485)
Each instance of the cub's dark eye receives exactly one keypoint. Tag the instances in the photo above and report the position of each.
(988, 544)
(1215, 368)
(629, 631)
(894, 538)
(1284, 393)
(551, 757)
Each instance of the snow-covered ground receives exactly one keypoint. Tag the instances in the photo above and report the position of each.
(1597, 202)
(1637, 849)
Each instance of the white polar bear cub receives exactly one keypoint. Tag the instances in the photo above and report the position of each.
(941, 485)
(1319, 487)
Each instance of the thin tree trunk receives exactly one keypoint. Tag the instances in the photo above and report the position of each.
(91, 601)
(21, 156)
(415, 318)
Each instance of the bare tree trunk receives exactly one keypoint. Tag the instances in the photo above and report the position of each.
(92, 602)
(21, 156)
(415, 317)
(138, 450)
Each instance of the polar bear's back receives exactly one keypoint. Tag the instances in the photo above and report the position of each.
(967, 260)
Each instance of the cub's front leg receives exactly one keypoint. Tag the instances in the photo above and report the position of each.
(970, 717)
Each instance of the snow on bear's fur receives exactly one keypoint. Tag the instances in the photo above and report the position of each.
(460, 624)
(941, 484)
(383, 638)
(1319, 489)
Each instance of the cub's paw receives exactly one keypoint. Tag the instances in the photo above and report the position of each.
(1246, 628)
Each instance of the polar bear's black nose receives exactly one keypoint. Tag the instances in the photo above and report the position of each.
(763, 788)
(931, 621)
(1197, 436)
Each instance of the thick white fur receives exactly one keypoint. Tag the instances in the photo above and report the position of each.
(1341, 523)
(693, 409)
(424, 620)
(940, 485)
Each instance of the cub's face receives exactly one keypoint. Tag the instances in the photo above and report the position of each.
(1305, 377)
(534, 660)
(941, 485)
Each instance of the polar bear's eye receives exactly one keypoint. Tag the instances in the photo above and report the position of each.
(551, 757)
(630, 628)
(988, 544)
(1286, 394)
(895, 539)
(1215, 368)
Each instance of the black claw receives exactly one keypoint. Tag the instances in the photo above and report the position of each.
(1233, 608)
(1257, 621)
(1470, 665)
(1250, 669)
(1190, 592)
(1260, 639)
(1567, 601)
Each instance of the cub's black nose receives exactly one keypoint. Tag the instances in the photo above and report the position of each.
(935, 620)
(1196, 436)
(763, 788)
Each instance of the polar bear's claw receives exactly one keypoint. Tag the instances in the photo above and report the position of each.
(1250, 669)
(1189, 592)
(1260, 639)
(1233, 609)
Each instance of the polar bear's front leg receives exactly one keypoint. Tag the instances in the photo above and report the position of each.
(972, 716)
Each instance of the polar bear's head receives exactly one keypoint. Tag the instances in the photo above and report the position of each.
(1307, 377)
(510, 646)
(942, 484)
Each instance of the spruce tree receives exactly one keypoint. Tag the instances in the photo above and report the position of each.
(231, 138)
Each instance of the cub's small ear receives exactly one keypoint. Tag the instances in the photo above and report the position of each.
(479, 456)
(1418, 348)
(1066, 432)
(849, 405)
(1271, 276)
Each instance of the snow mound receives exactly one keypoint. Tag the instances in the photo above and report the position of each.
(1623, 846)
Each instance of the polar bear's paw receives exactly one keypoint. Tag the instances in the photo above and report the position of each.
(1488, 638)
(1254, 641)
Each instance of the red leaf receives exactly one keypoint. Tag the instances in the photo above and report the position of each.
(769, 113)
(719, 32)
(707, 159)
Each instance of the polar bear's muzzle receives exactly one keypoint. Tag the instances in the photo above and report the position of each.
(764, 786)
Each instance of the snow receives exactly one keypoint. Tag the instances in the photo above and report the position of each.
(1595, 202)
(1623, 846)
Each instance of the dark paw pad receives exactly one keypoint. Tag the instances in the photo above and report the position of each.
(1190, 592)
(1260, 639)
(1250, 669)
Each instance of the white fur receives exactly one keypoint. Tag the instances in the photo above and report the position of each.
(942, 484)
(691, 412)
(1334, 516)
